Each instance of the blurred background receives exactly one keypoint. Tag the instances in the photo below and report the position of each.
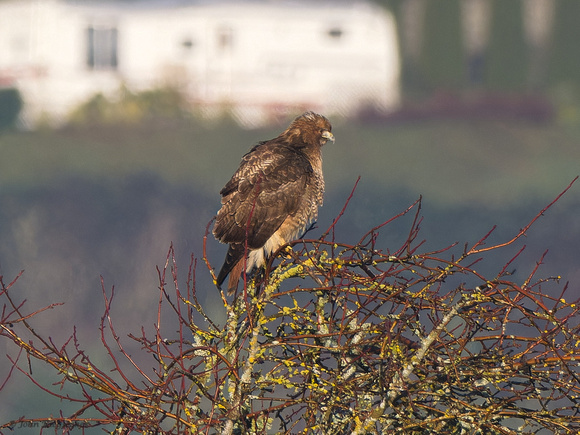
(121, 121)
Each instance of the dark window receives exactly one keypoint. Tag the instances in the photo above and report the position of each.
(187, 44)
(335, 32)
(102, 48)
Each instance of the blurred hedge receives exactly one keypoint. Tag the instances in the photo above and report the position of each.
(10, 107)
(131, 107)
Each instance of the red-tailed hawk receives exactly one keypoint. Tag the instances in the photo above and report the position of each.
(272, 197)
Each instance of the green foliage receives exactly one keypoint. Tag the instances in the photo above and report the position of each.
(442, 63)
(442, 59)
(508, 54)
(10, 107)
(564, 62)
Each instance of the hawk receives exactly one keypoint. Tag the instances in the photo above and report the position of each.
(272, 197)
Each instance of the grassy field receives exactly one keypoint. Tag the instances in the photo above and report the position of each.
(449, 163)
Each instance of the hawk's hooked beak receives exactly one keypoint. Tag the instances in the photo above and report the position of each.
(328, 135)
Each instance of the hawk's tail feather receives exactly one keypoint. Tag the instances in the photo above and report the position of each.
(235, 275)
(232, 266)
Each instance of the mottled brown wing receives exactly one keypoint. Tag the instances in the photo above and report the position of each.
(264, 191)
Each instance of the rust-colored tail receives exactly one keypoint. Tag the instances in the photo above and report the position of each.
(233, 265)
(235, 277)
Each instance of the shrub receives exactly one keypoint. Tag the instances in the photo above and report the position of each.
(130, 108)
(10, 107)
(367, 341)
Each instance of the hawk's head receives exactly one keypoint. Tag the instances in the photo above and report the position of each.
(309, 129)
